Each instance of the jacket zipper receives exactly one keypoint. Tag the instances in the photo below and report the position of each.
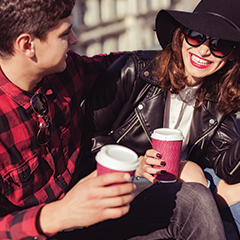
(143, 126)
(201, 139)
(236, 167)
(129, 129)
(126, 132)
(231, 173)
(207, 108)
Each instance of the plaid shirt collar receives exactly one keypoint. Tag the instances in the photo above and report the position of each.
(18, 95)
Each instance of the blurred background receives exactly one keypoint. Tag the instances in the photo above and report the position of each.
(103, 26)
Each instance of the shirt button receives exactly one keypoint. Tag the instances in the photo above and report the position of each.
(146, 73)
(140, 106)
(211, 121)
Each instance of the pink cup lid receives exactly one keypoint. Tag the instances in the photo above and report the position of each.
(117, 157)
(167, 134)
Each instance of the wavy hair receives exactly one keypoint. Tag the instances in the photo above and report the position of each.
(224, 85)
(35, 17)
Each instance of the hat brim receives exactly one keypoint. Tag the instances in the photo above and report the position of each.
(211, 25)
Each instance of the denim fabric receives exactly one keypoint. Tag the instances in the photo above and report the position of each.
(230, 214)
(161, 211)
(235, 210)
(213, 179)
(140, 179)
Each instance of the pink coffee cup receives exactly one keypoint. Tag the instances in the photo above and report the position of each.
(168, 142)
(116, 158)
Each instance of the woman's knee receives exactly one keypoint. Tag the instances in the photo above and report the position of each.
(191, 172)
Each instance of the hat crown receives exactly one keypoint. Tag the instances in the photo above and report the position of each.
(227, 9)
(215, 18)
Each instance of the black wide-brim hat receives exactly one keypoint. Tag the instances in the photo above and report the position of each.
(214, 18)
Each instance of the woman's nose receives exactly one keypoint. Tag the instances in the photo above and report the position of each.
(204, 48)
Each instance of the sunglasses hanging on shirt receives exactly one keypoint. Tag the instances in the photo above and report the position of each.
(218, 47)
(40, 106)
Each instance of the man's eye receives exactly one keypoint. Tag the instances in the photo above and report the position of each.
(66, 33)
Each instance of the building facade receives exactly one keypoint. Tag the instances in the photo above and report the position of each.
(103, 26)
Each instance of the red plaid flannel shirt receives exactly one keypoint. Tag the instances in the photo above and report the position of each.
(32, 175)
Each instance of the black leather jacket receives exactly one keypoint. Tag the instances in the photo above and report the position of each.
(128, 105)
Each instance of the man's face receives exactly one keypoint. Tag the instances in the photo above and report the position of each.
(51, 54)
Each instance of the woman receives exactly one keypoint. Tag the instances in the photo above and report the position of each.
(192, 84)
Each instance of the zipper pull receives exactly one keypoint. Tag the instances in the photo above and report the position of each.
(110, 133)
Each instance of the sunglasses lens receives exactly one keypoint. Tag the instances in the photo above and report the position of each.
(194, 38)
(40, 104)
(221, 48)
(44, 133)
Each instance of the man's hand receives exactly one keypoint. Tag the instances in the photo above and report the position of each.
(90, 201)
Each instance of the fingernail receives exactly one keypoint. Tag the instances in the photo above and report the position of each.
(156, 181)
(134, 187)
(162, 172)
(162, 163)
(158, 155)
(127, 177)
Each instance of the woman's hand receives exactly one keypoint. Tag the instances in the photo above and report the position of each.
(145, 168)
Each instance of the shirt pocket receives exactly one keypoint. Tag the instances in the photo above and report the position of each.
(18, 182)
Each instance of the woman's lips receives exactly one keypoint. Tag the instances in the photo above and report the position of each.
(199, 62)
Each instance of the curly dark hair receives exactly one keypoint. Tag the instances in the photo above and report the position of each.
(35, 17)
(224, 85)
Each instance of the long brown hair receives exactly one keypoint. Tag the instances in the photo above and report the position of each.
(224, 85)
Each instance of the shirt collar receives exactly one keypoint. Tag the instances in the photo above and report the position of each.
(188, 93)
(19, 96)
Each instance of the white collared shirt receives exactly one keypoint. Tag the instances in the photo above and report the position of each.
(179, 112)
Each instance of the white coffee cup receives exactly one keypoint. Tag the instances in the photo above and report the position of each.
(116, 158)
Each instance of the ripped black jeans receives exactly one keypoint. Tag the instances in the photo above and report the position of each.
(161, 211)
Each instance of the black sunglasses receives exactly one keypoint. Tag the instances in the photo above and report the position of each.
(219, 48)
(40, 106)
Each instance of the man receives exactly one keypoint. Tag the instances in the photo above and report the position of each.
(42, 85)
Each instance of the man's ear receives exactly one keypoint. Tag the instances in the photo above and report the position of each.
(25, 45)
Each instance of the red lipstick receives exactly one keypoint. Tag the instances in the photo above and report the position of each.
(204, 64)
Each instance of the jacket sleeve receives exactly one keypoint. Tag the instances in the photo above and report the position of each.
(102, 107)
(224, 150)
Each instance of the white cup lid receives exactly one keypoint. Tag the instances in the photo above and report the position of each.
(117, 157)
(167, 134)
